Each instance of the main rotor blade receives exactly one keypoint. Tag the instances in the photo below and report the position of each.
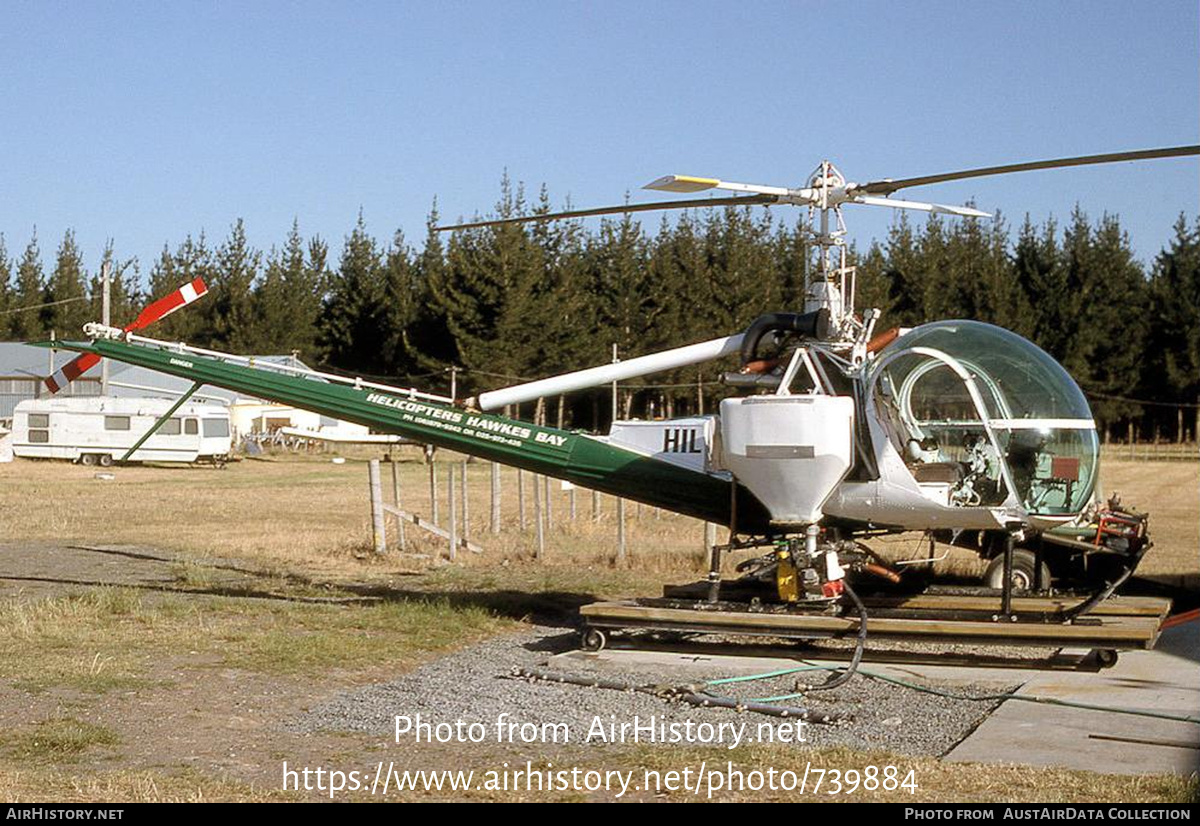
(940, 209)
(888, 186)
(694, 203)
(690, 183)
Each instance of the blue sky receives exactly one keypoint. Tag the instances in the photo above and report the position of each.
(146, 121)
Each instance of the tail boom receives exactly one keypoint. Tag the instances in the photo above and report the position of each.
(575, 457)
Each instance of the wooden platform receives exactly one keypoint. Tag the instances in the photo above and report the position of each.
(1118, 623)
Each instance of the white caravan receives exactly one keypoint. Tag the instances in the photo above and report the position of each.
(99, 429)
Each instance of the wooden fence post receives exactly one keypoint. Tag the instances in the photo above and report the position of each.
(378, 529)
(620, 530)
(495, 519)
(396, 502)
(433, 503)
(537, 517)
(521, 499)
(453, 522)
(466, 501)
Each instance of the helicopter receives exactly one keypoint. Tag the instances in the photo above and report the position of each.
(955, 428)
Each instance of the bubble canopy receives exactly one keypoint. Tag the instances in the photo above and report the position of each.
(983, 398)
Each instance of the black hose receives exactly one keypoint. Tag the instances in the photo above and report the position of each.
(809, 325)
(1106, 590)
(844, 675)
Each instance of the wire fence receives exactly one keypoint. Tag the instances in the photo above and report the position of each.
(1152, 452)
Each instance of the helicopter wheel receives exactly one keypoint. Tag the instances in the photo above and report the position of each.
(1024, 571)
(593, 639)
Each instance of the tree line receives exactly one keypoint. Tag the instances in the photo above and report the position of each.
(502, 304)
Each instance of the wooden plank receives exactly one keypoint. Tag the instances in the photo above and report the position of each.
(1112, 607)
(1136, 632)
(432, 528)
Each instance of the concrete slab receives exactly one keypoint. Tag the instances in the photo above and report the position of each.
(1165, 680)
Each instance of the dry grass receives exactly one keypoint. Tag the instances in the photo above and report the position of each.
(29, 785)
(109, 638)
(303, 521)
(288, 513)
(1170, 493)
(936, 781)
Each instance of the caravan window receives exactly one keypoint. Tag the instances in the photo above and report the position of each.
(39, 437)
(191, 427)
(216, 427)
(39, 419)
(171, 427)
(116, 422)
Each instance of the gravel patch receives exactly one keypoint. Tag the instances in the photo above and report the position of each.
(472, 685)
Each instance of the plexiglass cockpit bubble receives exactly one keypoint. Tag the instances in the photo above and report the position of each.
(983, 411)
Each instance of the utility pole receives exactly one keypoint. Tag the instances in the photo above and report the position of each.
(453, 382)
(105, 316)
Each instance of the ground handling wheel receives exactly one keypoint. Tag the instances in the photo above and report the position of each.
(593, 639)
(1024, 571)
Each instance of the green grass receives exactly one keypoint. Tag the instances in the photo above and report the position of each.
(58, 740)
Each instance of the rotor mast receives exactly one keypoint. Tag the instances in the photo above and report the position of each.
(830, 284)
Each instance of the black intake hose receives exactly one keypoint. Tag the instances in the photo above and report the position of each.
(808, 325)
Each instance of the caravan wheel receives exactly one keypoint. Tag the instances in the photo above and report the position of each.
(87, 459)
(106, 460)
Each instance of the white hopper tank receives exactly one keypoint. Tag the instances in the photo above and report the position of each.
(789, 451)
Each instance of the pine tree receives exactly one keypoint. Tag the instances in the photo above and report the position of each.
(741, 283)
(430, 340)
(1113, 312)
(349, 331)
(791, 252)
(975, 282)
(488, 296)
(287, 301)
(195, 324)
(400, 306)
(560, 306)
(941, 296)
(1036, 274)
(872, 283)
(232, 293)
(905, 276)
(67, 283)
(1174, 340)
(6, 289)
(28, 293)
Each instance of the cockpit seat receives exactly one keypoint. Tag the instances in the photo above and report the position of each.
(945, 472)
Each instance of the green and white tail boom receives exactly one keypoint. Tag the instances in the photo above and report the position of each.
(577, 457)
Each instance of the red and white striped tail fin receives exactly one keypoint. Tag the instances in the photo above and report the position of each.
(153, 312)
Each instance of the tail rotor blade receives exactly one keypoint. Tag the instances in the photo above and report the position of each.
(153, 312)
(168, 304)
(70, 371)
